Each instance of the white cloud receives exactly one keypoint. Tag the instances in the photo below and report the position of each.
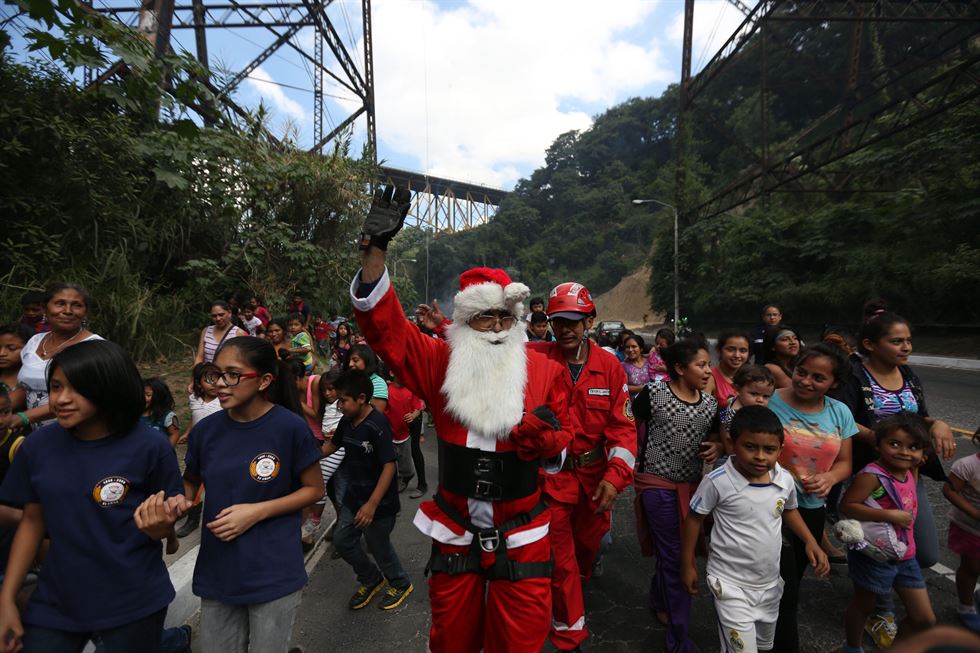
(714, 22)
(262, 83)
(497, 80)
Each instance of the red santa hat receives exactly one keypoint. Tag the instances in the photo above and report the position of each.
(488, 289)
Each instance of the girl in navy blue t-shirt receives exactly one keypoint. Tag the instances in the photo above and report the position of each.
(79, 482)
(260, 464)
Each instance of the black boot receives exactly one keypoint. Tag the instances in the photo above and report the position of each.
(193, 521)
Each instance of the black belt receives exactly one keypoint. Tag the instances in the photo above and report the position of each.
(486, 475)
(584, 459)
(489, 540)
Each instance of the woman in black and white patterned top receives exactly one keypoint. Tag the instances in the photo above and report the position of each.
(682, 435)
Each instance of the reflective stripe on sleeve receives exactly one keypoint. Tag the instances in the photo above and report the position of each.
(623, 454)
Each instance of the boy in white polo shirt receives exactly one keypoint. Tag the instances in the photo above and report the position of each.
(751, 498)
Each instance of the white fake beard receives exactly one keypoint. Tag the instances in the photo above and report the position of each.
(485, 378)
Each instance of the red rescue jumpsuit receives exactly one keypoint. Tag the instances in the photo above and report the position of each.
(470, 614)
(602, 417)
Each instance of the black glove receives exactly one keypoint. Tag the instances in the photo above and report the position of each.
(544, 414)
(386, 217)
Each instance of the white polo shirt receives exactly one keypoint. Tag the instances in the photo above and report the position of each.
(746, 538)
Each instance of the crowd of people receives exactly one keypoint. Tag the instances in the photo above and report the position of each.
(750, 461)
(91, 482)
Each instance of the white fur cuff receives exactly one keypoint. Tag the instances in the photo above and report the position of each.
(364, 304)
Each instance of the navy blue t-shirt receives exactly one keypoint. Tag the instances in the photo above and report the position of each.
(101, 571)
(368, 447)
(250, 462)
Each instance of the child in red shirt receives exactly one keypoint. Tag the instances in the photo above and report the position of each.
(404, 408)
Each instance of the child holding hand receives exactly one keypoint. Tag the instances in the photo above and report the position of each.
(260, 464)
(884, 491)
(751, 499)
(963, 491)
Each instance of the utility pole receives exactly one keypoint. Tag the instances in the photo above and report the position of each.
(682, 108)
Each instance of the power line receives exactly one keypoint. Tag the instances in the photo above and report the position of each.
(350, 32)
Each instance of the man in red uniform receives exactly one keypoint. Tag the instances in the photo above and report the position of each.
(498, 409)
(598, 464)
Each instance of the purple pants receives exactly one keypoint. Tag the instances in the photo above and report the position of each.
(667, 594)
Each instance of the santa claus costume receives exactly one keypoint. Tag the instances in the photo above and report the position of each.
(602, 449)
(498, 409)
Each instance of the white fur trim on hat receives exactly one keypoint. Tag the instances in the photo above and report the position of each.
(480, 297)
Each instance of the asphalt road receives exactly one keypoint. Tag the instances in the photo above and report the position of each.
(617, 615)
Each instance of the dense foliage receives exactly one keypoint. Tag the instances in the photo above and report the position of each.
(818, 254)
(159, 217)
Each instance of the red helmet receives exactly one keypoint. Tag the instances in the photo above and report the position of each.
(571, 301)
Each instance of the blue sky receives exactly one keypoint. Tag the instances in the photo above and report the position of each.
(478, 90)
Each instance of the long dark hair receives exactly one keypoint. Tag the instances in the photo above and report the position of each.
(327, 379)
(347, 338)
(104, 374)
(198, 376)
(366, 354)
(877, 327)
(681, 353)
(838, 361)
(162, 401)
(281, 323)
(260, 355)
(769, 341)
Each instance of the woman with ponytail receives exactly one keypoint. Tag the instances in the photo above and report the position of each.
(260, 463)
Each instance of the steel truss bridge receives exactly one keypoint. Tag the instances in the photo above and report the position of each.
(438, 204)
(926, 83)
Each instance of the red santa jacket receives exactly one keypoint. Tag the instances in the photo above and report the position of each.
(601, 416)
(420, 363)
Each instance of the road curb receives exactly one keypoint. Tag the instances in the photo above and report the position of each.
(946, 362)
(185, 607)
(926, 360)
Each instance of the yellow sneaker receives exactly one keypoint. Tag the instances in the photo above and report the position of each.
(882, 629)
(394, 597)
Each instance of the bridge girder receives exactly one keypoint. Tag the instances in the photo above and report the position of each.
(445, 205)
(923, 85)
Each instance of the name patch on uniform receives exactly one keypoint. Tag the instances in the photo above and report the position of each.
(264, 467)
(598, 392)
(110, 490)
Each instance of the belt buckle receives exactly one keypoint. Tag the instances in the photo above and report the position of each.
(455, 564)
(489, 540)
(486, 465)
(487, 490)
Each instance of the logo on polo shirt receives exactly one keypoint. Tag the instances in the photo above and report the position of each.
(110, 491)
(736, 640)
(264, 467)
(780, 503)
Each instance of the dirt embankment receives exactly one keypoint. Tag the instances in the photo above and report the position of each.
(628, 301)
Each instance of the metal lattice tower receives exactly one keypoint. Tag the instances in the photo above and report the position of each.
(282, 21)
(439, 204)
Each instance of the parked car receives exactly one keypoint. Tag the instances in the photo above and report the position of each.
(608, 331)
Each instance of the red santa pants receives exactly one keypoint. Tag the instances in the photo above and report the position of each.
(470, 614)
(576, 535)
